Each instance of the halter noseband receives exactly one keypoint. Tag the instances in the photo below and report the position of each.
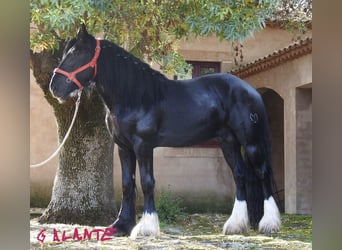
(92, 64)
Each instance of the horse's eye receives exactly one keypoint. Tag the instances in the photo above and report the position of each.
(68, 80)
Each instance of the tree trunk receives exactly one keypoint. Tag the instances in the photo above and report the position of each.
(83, 191)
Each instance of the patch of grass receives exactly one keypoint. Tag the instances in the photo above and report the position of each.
(296, 227)
(201, 223)
(168, 207)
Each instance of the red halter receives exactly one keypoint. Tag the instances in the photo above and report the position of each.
(92, 64)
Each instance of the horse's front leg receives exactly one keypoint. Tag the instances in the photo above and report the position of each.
(126, 219)
(149, 223)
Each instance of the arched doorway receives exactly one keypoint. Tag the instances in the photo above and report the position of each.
(275, 109)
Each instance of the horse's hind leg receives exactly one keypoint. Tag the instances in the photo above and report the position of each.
(238, 222)
(270, 222)
(250, 126)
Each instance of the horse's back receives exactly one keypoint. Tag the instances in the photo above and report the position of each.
(224, 82)
(228, 88)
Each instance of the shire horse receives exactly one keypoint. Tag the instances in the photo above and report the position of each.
(148, 110)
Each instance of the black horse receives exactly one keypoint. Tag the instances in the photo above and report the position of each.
(148, 110)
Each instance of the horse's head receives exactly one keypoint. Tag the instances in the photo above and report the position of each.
(78, 66)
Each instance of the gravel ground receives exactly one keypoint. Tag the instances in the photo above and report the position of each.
(197, 231)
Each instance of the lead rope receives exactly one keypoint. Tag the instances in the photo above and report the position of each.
(77, 104)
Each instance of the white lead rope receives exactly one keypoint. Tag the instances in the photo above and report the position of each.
(77, 104)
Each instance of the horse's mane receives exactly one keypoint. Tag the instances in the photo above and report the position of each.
(127, 80)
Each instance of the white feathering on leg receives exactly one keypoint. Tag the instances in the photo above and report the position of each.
(270, 222)
(147, 226)
(238, 222)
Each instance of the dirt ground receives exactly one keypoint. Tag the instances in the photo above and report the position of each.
(196, 231)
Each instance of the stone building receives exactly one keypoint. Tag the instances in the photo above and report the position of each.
(278, 67)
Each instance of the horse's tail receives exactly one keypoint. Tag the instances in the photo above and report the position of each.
(254, 196)
(253, 185)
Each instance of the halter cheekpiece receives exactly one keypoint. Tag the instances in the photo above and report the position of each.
(92, 64)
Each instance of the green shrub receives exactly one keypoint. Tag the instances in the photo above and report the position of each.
(168, 207)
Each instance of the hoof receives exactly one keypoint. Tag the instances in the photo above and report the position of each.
(118, 233)
(269, 225)
(238, 222)
(230, 227)
(147, 226)
(121, 228)
(270, 222)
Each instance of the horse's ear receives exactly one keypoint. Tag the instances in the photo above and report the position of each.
(82, 32)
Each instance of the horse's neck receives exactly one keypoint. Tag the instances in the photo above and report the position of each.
(129, 81)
